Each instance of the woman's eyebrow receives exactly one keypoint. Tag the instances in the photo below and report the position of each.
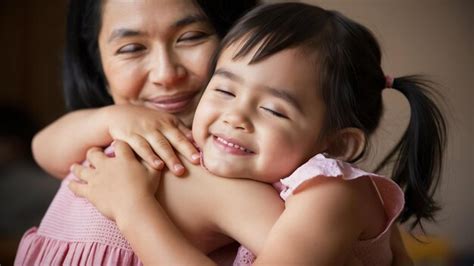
(124, 32)
(121, 33)
(190, 20)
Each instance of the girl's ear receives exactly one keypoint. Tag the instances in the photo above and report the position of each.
(347, 144)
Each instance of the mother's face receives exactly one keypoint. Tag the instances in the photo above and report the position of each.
(156, 53)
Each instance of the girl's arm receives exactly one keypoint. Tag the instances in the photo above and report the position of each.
(151, 134)
(318, 227)
(154, 238)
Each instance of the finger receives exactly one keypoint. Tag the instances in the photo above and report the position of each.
(182, 144)
(80, 190)
(186, 131)
(124, 149)
(151, 169)
(95, 155)
(142, 148)
(83, 173)
(165, 151)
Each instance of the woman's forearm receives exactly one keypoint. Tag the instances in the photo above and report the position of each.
(65, 141)
(155, 239)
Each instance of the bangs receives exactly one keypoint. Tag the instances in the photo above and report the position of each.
(270, 29)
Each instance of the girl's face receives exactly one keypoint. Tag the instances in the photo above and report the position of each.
(156, 53)
(260, 121)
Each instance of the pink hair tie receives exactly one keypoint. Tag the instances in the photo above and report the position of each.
(388, 82)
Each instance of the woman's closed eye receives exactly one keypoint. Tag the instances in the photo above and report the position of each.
(192, 37)
(275, 113)
(130, 48)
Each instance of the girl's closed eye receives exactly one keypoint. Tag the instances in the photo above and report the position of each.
(224, 92)
(272, 112)
(131, 48)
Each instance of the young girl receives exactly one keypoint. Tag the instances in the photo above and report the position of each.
(292, 82)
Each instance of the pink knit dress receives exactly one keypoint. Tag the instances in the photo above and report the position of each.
(374, 251)
(73, 232)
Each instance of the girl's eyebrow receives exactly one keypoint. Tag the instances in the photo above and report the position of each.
(276, 92)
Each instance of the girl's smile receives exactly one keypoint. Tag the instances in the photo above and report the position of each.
(231, 146)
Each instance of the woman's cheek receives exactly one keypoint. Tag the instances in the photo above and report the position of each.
(200, 57)
(125, 83)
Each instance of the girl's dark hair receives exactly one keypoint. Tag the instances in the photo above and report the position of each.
(351, 81)
(83, 78)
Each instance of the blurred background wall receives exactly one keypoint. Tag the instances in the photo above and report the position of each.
(432, 37)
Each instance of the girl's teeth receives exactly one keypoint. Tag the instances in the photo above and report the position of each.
(231, 144)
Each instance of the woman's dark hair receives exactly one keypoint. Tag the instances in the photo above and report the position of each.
(351, 81)
(83, 78)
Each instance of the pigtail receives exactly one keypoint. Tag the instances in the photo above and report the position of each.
(419, 153)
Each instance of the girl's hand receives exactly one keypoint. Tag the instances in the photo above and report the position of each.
(152, 135)
(115, 185)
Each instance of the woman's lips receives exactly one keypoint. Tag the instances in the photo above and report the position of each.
(173, 103)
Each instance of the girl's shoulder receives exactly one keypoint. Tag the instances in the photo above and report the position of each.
(320, 168)
(377, 199)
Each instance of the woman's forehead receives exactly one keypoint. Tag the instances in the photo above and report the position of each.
(157, 13)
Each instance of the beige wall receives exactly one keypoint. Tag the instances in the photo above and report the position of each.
(433, 37)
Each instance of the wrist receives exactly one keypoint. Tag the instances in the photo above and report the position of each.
(134, 210)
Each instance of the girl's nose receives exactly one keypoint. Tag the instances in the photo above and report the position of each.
(165, 69)
(238, 120)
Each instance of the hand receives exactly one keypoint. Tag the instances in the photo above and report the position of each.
(152, 135)
(115, 185)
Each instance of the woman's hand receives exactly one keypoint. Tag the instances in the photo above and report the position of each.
(115, 185)
(152, 135)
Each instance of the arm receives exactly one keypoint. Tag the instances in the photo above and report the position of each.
(151, 134)
(322, 222)
(65, 141)
(156, 240)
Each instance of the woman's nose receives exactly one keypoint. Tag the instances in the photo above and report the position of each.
(165, 69)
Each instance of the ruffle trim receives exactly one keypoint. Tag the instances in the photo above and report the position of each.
(389, 192)
(35, 249)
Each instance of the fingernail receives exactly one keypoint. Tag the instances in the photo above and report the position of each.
(195, 156)
(178, 168)
(71, 167)
(158, 164)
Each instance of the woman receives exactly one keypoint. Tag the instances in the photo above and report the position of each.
(142, 60)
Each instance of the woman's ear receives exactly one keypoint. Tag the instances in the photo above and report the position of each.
(347, 144)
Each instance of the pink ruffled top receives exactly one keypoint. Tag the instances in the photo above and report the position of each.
(73, 232)
(375, 251)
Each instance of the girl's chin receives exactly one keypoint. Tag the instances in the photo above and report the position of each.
(221, 168)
